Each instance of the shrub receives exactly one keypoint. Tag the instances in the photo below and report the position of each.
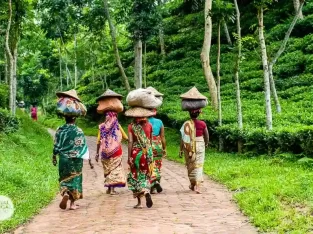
(8, 123)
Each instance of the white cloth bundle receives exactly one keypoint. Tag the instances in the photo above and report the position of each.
(143, 98)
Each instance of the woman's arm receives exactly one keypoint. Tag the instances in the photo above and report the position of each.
(124, 136)
(56, 148)
(98, 146)
(181, 148)
(206, 137)
(130, 142)
(162, 134)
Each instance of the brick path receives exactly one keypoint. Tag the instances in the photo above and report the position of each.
(176, 210)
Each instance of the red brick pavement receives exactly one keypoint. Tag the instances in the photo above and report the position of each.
(176, 210)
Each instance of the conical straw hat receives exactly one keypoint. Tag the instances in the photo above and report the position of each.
(155, 92)
(193, 94)
(71, 93)
(110, 93)
(139, 112)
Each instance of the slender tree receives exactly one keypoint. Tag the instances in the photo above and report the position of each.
(237, 69)
(205, 54)
(298, 8)
(10, 59)
(267, 91)
(115, 47)
(279, 53)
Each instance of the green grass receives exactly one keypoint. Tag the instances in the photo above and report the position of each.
(27, 174)
(276, 193)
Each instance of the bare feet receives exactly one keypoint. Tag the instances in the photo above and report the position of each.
(138, 206)
(63, 203)
(73, 206)
(192, 187)
(108, 191)
(113, 192)
(197, 190)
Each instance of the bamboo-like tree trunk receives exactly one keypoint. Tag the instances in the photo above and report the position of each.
(267, 91)
(161, 35)
(227, 33)
(279, 53)
(60, 66)
(145, 66)
(237, 67)
(6, 68)
(10, 59)
(115, 47)
(205, 55)
(138, 64)
(218, 68)
(75, 60)
(14, 78)
(298, 10)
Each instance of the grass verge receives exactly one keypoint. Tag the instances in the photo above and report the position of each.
(27, 174)
(276, 193)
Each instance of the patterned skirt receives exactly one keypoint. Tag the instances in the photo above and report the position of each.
(138, 178)
(70, 177)
(114, 172)
(195, 163)
(157, 159)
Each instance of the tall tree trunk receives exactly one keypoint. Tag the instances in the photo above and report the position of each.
(10, 59)
(6, 68)
(227, 33)
(161, 34)
(145, 66)
(75, 62)
(267, 91)
(279, 53)
(14, 78)
(298, 9)
(114, 42)
(60, 66)
(138, 64)
(237, 68)
(67, 74)
(205, 54)
(218, 68)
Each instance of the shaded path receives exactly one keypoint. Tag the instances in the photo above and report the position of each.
(176, 210)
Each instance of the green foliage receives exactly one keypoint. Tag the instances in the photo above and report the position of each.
(4, 95)
(8, 123)
(27, 174)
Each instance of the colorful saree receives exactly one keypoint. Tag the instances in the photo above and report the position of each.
(157, 159)
(111, 151)
(194, 150)
(70, 144)
(140, 161)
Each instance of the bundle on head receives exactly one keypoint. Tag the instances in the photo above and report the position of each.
(109, 104)
(143, 98)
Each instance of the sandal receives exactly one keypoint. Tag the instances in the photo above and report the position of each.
(63, 203)
(149, 202)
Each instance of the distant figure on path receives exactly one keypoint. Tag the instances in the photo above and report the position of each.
(195, 137)
(33, 113)
(71, 146)
(159, 151)
(140, 155)
(109, 144)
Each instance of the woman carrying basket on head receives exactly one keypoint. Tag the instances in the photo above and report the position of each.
(109, 146)
(195, 137)
(71, 146)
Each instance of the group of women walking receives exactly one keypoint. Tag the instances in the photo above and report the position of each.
(146, 149)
